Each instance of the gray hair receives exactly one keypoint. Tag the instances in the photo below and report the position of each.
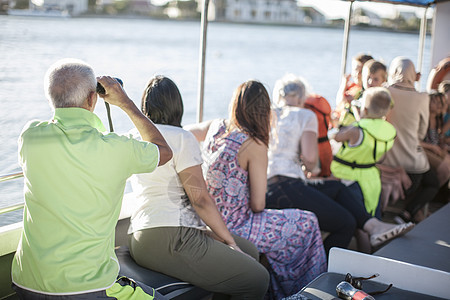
(289, 84)
(68, 83)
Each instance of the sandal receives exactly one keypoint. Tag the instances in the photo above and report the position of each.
(381, 238)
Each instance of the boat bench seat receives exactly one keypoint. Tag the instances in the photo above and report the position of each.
(170, 287)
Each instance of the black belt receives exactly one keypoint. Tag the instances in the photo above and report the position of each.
(322, 139)
(353, 164)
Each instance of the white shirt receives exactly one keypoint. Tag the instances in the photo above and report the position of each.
(160, 197)
(290, 124)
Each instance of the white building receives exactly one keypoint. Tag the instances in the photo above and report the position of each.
(73, 7)
(257, 11)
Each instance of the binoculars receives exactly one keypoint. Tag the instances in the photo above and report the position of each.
(101, 89)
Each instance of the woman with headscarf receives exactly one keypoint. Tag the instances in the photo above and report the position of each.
(410, 117)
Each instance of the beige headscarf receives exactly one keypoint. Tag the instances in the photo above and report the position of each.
(402, 72)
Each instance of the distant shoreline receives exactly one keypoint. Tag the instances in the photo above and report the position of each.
(331, 26)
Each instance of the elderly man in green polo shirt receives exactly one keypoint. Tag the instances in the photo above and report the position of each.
(75, 175)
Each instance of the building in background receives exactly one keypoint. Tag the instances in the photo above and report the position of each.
(256, 11)
(49, 8)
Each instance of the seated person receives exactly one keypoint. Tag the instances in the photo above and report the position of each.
(176, 228)
(351, 89)
(235, 155)
(364, 144)
(410, 116)
(75, 174)
(444, 88)
(374, 74)
(436, 151)
(293, 149)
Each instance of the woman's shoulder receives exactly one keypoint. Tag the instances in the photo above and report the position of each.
(303, 115)
(298, 111)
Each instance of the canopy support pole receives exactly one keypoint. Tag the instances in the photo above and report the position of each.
(201, 84)
(423, 34)
(345, 43)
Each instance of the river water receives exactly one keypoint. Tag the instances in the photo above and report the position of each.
(136, 49)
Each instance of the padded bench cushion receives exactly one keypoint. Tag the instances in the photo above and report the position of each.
(166, 285)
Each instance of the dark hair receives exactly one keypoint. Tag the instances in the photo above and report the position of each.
(439, 117)
(161, 101)
(374, 65)
(362, 58)
(250, 110)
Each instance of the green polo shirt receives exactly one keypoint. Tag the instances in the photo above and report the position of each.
(75, 176)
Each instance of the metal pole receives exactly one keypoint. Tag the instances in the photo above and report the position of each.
(345, 43)
(423, 34)
(201, 84)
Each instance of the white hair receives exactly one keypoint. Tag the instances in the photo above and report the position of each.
(289, 84)
(68, 83)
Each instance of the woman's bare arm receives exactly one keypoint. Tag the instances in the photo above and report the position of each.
(309, 150)
(195, 187)
(199, 130)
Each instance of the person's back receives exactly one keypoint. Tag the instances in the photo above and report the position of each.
(75, 181)
(235, 155)
(364, 144)
(223, 170)
(75, 177)
(283, 154)
(410, 118)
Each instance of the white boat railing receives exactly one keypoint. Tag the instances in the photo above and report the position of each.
(16, 206)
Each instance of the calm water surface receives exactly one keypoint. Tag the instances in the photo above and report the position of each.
(136, 49)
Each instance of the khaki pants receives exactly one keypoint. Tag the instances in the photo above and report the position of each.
(191, 255)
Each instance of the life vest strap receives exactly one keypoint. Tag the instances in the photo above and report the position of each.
(322, 139)
(353, 164)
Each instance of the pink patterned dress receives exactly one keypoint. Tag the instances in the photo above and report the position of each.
(289, 238)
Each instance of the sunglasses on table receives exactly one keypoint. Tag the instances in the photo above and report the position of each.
(356, 282)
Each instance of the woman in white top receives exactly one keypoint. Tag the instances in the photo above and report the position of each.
(293, 150)
(176, 228)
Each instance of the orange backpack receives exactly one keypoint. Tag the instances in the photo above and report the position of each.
(320, 106)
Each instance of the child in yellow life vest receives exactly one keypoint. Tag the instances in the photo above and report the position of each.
(363, 145)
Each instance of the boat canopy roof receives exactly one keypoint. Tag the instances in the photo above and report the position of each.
(406, 2)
